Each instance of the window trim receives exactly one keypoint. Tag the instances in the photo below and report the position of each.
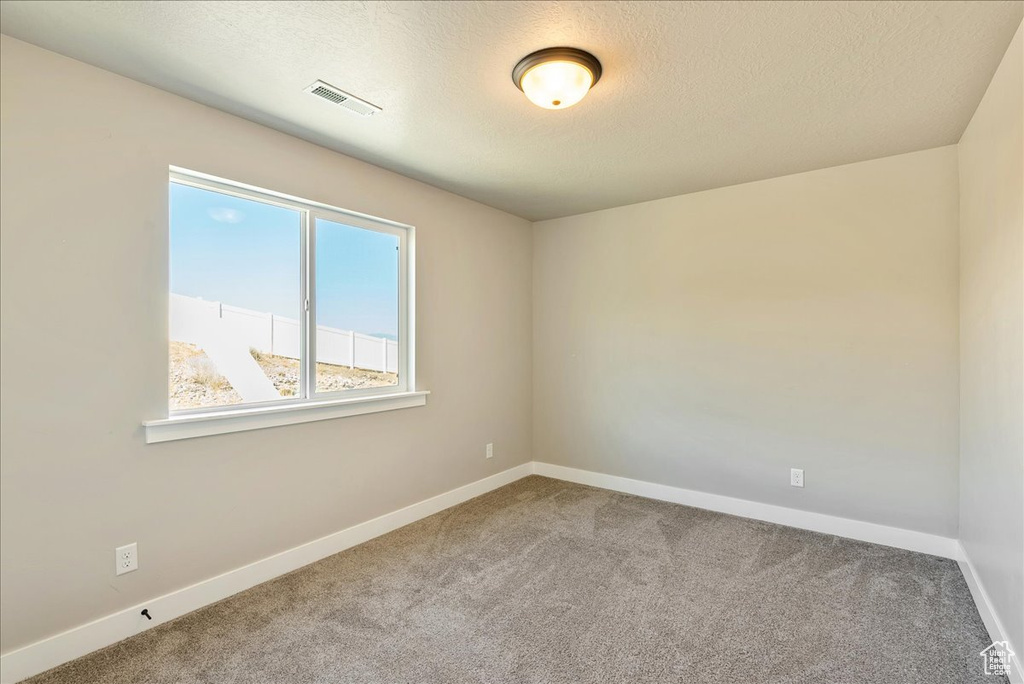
(310, 405)
(257, 416)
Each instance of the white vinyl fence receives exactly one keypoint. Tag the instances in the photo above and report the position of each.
(196, 321)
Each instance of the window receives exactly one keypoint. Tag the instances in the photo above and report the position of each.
(282, 302)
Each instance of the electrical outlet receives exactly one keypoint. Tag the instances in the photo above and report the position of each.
(126, 558)
(796, 477)
(490, 451)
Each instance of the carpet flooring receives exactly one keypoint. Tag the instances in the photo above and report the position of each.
(547, 581)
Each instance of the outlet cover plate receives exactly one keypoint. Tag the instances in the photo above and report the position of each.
(126, 558)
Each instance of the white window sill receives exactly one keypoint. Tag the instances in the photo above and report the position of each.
(238, 420)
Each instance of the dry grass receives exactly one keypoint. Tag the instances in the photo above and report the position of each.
(195, 382)
(258, 355)
(202, 371)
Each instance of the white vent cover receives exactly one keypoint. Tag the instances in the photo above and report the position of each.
(343, 99)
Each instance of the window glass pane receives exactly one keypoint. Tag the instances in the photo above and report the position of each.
(356, 307)
(235, 300)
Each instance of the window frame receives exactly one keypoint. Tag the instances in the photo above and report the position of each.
(403, 318)
(309, 212)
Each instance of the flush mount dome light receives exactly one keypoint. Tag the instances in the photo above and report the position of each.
(558, 77)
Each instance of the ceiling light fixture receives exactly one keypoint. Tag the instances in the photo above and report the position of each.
(558, 77)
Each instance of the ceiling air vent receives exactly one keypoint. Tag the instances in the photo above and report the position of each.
(343, 99)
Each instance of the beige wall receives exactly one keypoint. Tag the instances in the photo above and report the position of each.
(710, 341)
(992, 341)
(713, 341)
(84, 266)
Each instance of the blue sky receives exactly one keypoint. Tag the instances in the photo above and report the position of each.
(246, 253)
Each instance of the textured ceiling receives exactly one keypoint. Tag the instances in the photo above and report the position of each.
(694, 95)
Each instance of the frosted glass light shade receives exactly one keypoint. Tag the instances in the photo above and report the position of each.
(557, 85)
(556, 78)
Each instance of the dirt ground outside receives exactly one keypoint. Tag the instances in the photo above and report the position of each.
(195, 382)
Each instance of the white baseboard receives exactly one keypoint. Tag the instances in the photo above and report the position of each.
(842, 527)
(56, 650)
(989, 615)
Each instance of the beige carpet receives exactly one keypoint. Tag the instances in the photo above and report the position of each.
(545, 581)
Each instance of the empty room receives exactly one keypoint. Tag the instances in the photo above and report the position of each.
(511, 342)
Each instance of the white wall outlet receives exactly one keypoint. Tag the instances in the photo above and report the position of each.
(126, 558)
(796, 477)
(490, 451)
